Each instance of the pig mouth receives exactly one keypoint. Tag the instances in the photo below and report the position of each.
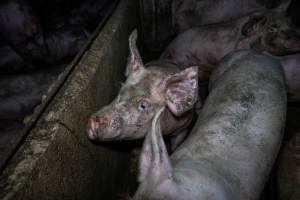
(98, 134)
(106, 133)
(278, 48)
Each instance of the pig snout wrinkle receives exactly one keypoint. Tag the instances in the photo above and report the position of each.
(93, 125)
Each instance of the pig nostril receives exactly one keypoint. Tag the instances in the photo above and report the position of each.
(91, 134)
(96, 119)
(93, 123)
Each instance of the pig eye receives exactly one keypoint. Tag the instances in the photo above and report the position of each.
(273, 28)
(143, 105)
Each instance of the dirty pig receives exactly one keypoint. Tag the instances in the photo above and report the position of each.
(269, 31)
(231, 149)
(147, 88)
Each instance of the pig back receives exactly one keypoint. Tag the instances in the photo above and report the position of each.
(238, 133)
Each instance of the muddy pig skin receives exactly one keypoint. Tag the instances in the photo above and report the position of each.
(192, 13)
(291, 67)
(147, 87)
(234, 143)
(267, 31)
(21, 28)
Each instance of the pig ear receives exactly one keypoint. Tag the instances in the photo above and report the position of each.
(134, 63)
(254, 24)
(181, 90)
(154, 160)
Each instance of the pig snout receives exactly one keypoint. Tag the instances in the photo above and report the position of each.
(291, 41)
(105, 126)
(93, 125)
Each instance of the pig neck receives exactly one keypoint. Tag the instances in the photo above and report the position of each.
(174, 125)
(171, 124)
(165, 66)
(225, 43)
(220, 45)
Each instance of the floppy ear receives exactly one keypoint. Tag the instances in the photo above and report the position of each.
(154, 159)
(134, 63)
(254, 24)
(181, 90)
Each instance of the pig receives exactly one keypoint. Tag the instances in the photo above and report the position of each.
(234, 143)
(20, 93)
(21, 28)
(192, 13)
(291, 67)
(205, 46)
(65, 43)
(147, 87)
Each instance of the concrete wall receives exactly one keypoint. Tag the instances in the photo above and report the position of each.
(57, 161)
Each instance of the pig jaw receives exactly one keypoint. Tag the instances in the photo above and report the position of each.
(279, 45)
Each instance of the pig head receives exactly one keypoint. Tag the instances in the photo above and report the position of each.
(272, 32)
(146, 89)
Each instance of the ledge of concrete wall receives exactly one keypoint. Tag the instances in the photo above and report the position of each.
(57, 161)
